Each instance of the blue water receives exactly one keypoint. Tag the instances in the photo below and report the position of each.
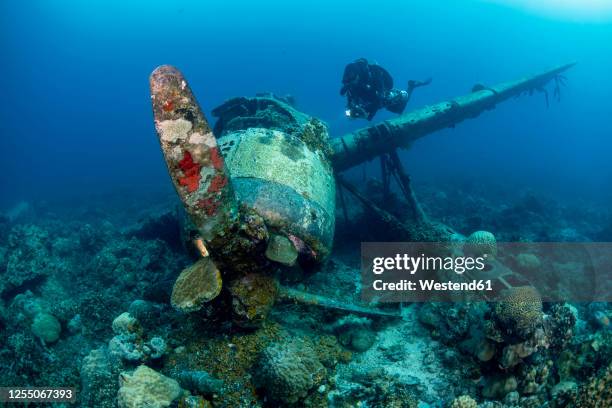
(75, 116)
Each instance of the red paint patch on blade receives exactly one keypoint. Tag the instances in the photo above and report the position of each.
(216, 159)
(168, 106)
(209, 205)
(217, 183)
(191, 173)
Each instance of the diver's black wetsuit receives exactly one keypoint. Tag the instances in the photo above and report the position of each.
(369, 87)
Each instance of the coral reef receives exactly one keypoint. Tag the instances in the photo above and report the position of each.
(146, 388)
(528, 262)
(253, 296)
(99, 384)
(519, 312)
(129, 343)
(392, 369)
(480, 243)
(46, 327)
(375, 388)
(27, 258)
(561, 326)
(354, 332)
(524, 353)
(196, 285)
(85, 297)
(597, 393)
(124, 324)
(165, 227)
(464, 401)
(200, 381)
(287, 371)
(126, 347)
(450, 324)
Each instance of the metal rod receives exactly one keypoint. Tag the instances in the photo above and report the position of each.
(386, 177)
(343, 204)
(403, 179)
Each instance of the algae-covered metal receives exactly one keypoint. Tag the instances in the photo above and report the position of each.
(278, 161)
(192, 156)
(262, 189)
(267, 157)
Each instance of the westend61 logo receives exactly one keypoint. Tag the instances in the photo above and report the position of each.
(412, 264)
(400, 271)
(422, 269)
(456, 272)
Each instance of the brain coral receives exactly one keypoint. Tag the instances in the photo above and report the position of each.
(464, 401)
(519, 311)
(480, 243)
(288, 370)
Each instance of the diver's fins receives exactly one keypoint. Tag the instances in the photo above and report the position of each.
(194, 161)
(413, 84)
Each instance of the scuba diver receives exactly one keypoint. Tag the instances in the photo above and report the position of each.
(369, 87)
